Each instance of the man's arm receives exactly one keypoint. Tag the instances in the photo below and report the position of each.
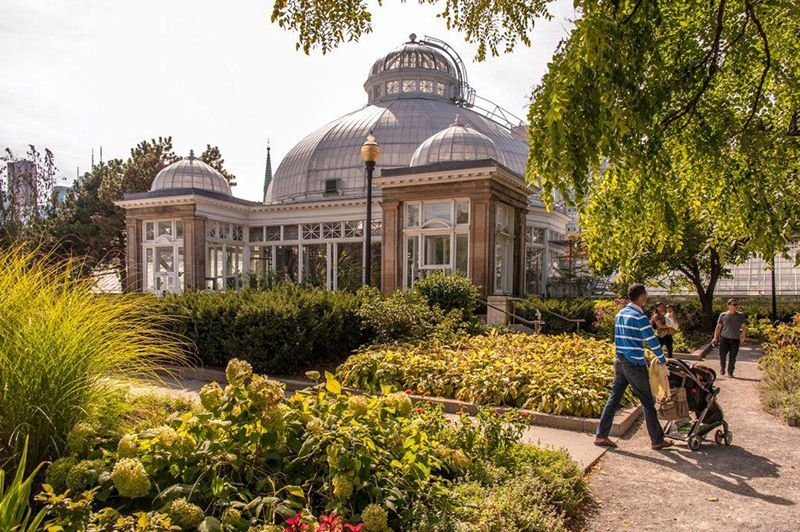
(655, 346)
(717, 331)
(743, 337)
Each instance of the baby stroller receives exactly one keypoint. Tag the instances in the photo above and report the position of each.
(701, 395)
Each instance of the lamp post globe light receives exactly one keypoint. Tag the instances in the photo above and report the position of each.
(370, 151)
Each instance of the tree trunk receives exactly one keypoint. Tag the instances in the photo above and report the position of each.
(705, 293)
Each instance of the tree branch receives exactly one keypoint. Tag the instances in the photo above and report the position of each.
(714, 54)
(767, 61)
(633, 12)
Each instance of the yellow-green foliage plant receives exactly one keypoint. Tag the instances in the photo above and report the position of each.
(64, 351)
(563, 374)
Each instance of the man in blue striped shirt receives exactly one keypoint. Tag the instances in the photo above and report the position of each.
(632, 331)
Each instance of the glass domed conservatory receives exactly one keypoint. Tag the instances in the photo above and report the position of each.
(448, 195)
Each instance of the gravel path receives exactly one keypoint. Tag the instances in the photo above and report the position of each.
(753, 485)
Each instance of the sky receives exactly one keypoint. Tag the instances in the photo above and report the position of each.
(83, 74)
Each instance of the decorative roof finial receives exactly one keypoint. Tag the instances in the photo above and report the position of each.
(191, 155)
(412, 37)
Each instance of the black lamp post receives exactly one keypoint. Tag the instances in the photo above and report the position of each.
(774, 298)
(370, 151)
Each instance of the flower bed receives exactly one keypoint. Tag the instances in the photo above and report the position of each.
(566, 375)
(781, 366)
(328, 461)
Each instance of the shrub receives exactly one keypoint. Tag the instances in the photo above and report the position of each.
(64, 350)
(780, 364)
(565, 374)
(15, 510)
(406, 316)
(449, 292)
(280, 331)
(256, 458)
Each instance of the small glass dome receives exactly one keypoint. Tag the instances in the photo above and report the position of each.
(458, 142)
(191, 173)
(414, 70)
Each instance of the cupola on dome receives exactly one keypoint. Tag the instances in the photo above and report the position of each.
(191, 173)
(458, 142)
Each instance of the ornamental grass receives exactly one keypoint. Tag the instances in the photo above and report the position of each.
(64, 351)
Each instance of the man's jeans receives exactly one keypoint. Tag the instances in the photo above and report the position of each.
(728, 347)
(635, 376)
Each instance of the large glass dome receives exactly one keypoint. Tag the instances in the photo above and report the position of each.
(405, 107)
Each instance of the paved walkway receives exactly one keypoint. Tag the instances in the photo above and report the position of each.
(753, 485)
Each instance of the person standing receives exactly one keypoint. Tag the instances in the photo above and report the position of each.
(662, 329)
(631, 331)
(729, 335)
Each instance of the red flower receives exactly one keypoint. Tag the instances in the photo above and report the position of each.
(409, 392)
(354, 528)
(295, 524)
(330, 523)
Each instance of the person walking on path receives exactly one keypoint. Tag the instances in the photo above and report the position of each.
(631, 331)
(730, 334)
(662, 329)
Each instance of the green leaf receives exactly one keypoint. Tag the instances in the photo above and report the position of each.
(331, 384)
(297, 491)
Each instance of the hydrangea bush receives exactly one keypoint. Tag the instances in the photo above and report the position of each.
(253, 460)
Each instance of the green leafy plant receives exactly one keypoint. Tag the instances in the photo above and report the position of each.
(565, 374)
(15, 510)
(450, 292)
(64, 350)
(780, 364)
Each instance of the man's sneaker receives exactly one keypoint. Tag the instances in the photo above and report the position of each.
(663, 445)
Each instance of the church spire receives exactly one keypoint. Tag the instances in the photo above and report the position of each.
(267, 173)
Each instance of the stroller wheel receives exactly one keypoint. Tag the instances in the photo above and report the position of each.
(728, 438)
(719, 437)
(694, 443)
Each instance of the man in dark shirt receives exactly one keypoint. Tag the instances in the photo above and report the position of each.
(730, 333)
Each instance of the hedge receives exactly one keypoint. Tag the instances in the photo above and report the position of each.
(279, 331)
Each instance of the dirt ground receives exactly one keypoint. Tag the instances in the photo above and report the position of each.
(753, 485)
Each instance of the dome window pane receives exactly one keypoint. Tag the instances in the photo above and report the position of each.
(412, 215)
(332, 230)
(392, 87)
(462, 211)
(437, 250)
(440, 89)
(311, 232)
(164, 228)
(256, 234)
(273, 233)
(426, 85)
(439, 210)
(354, 229)
(290, 232)
(409, 85)
(237, 233)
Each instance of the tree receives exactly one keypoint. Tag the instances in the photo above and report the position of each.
(212, 157)
(673, 124)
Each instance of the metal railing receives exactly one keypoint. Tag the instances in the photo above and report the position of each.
(536, 325)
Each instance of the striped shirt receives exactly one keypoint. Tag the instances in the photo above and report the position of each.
(631, 330)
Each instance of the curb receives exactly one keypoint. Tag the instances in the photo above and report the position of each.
(696, 355)
(209, 375)
(622, 422)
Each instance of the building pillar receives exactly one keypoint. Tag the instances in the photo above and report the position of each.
(197, 257)
(481, 255)
(392, 246)
(133, 255)
(519, 252)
